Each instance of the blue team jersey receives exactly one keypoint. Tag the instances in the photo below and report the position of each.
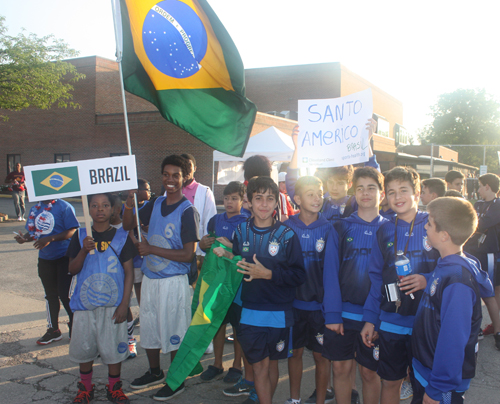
(382, 271)
(223, 226)
(278, 249)
(101, 281)
(309, 295)
(349, 281)
(447, 324)
(59, 218)
(165, 232)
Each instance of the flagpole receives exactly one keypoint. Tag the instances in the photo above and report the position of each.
(124, 102)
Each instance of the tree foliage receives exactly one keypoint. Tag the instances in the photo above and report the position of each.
(466, 117)
(33, 73)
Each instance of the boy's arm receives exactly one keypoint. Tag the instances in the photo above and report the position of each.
(456, 314)
(332, 301)
(490, 218)
(76, 261)
(45, 241)
(292, 172)
(185, 254)
(121, 311)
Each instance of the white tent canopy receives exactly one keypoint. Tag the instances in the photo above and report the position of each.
(272, 143)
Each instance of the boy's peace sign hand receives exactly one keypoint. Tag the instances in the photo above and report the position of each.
(254, 271)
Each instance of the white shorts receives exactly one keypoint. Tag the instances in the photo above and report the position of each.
(138, 274)
(165, 312)
(94, 333)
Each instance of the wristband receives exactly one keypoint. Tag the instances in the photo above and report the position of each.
(127, 207)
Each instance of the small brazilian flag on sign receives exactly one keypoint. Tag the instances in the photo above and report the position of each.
(55, 181)
(178, 55)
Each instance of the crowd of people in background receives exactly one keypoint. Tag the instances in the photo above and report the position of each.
(343, 263)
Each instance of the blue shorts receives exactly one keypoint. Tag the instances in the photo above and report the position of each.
(259, 343)
(349, 346)
(308, 330)
(233, 316)
(395, 355)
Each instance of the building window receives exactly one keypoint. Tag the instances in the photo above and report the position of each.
(12, 160)
(61, 157)
(117, 154)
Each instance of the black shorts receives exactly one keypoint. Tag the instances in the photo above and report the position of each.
(308, 330)
(259, 343)
(452, 397)
(233, 316)
(339, 347)
(395, 355)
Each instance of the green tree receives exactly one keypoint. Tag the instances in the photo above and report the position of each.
(466, 117)
(33, 73)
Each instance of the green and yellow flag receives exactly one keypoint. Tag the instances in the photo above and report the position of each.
(178, 55)
(215, 291)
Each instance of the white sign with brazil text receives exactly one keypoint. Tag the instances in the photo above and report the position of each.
(333, 131)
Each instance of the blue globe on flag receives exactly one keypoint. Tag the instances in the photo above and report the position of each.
(174, 38)
(56, 181)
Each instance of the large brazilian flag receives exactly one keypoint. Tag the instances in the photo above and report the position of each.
(215, 291)
(178, 55)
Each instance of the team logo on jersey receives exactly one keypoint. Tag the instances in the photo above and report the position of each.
(175, 340)
(153, 262)
(274, 247)
(319, 338)
(225, 227)
(305, 236)
(368, 232)
(390, 244)
(376, 353)
(434, 286)
(45, 222)
(320, 244)
(99, 290)
(427, 246)
(342, 208)
(349, 239)
(408, 234)
(280, 346)
(246, 246)
(122, 347)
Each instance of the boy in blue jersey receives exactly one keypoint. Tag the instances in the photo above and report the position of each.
(168, 252)
(220, 226)
(101, 293)
(273, 267)
(313, 231)
(50, 225)
(444, 340)
(348, 283)
(338, 180)
(395, 304)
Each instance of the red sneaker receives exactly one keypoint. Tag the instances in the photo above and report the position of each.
(488, 330)
(84, 396)
(116, 395)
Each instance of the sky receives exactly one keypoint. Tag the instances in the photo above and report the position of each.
(414, 51)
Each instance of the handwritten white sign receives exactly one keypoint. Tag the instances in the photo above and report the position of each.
(333, 131)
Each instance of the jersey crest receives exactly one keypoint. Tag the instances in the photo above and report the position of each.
(246, 246)
(342, 208)
(376, 353)
(274, 247)
(427, 246)
(434, 286)
(320, 244)
(319, 338)
(280, 346)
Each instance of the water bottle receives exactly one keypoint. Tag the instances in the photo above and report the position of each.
(403, 266)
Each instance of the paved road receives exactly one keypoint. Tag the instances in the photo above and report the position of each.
(31, 373)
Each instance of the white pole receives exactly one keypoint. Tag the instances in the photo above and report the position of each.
(115, 5)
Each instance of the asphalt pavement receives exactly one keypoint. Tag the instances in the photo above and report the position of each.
(44, 374)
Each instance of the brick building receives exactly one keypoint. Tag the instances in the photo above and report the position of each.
(97, 130)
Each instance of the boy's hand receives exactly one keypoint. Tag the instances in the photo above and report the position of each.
(206, 242)
(41, 243)
(20, 238)
(88, 244)
(369, 334)
(120, 314)
(130, 198)
(338, 328)
(428, 400)
(412, 283)
(254, 271)
(224, 241)
(143, 247)
(295, 136)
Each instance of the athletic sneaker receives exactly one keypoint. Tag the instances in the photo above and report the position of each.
(497, 340)
(355, 397)
(50, 336)
(132, 348)
(292, 401)
(488, 330)
(480, 336)
(19, 219)
(166, 393)
(330, 396)
(116, 395)
(406, 391)
(148, 379)
(252, 398)
(83, 396)
(242, 388)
